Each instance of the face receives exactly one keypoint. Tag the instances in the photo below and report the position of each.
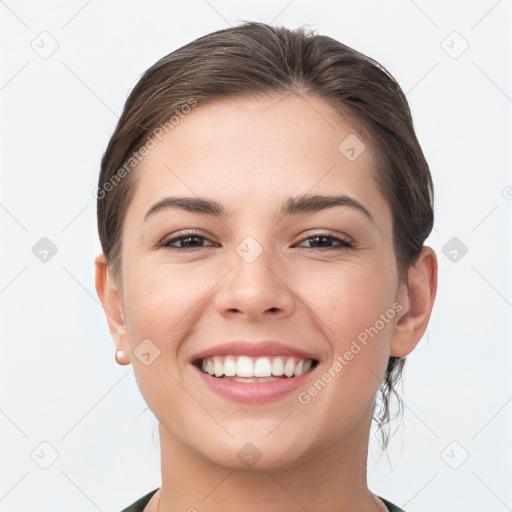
(322, 281)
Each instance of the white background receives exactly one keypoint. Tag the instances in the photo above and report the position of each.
(59, 381)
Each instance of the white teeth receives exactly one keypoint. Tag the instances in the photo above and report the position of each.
(299, 369)
(277, 366)
(262, 367)
(257, 369)
(245, 367)
(218, 367)
(229, 366)
(252, 379)
(289, 367)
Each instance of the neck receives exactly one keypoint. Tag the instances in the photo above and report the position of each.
(326, 478)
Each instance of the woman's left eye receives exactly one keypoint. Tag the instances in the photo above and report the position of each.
(326, 238)
(191, 240)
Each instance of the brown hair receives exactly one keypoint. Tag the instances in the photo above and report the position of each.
(257, 59)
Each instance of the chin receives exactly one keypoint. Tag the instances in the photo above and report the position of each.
(261, 454)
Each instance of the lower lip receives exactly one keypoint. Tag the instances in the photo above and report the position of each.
(254, 392)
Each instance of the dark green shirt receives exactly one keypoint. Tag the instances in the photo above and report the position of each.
(139, 505)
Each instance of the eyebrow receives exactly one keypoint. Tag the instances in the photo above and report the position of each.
(292, 206)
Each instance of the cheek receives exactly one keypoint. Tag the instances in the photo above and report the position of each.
(356, 307)
(158, 300)
(160, 306)
(357, 318)
(354, 297)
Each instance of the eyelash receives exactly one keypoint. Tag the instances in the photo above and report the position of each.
(344, 244)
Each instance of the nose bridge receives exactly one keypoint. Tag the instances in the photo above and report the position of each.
(253, 261)
(253, 285)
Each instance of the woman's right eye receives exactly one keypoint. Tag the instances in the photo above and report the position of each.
(189, 242)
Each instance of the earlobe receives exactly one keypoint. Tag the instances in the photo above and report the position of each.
(417, 299)
(109, 296)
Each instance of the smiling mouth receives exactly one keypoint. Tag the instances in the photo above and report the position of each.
(255, 369)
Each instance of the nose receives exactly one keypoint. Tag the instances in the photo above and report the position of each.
(255, 289)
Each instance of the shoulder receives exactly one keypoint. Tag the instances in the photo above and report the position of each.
(391, 506)
(139, 505)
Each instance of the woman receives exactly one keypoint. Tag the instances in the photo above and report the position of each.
(262, 209)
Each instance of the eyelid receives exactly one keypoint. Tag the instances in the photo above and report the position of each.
(327, 233)
(184, 234)
(344, 242)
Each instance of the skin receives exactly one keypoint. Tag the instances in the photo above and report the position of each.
(251, 155)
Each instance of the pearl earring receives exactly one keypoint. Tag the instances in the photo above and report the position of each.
(119, 356)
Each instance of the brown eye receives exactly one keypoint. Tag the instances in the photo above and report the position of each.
(188, 242)
(321, 239)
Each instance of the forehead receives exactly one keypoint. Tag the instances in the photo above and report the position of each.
(254, 151)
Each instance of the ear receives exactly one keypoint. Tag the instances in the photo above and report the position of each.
(112, 304)
(417, 298)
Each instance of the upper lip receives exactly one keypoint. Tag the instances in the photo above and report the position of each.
(253, 349)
